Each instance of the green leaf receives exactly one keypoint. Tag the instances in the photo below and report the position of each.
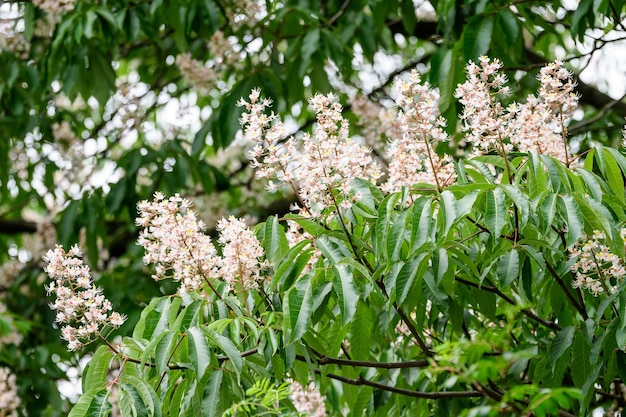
(310, 44)
(347, 296)
(407, 274)
(520, 200)
(581, 367)
(292, 265)
(189, 316)
(561, 343)
(212, 393)
(592, 182)
(227, 346)
(297, 308)
(163, 350)
(144, 399)
(93, 403)
(396, 236)
(595, 216)
(508, 267)
(274, 240)
(509, 24)
(448, 209)
(361, 332)
(154, 318)
(477, 36)
(97, 369)
(495, 211)
(573, 218)
(199, 351)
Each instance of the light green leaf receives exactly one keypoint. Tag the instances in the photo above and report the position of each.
(212, 394)
(199, 351)
(92, 404)
(227, 346)
(97, 369)
(297, 309)
(508, 267)
(347, 296)
(406, 276)
(520, 200)
(573, 218)
(274, 240)
(448, 209)
(595, 216)
(495, 211)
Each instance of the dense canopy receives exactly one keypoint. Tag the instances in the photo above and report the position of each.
(351, 207)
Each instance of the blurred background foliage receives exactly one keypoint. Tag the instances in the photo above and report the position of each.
(102, 103)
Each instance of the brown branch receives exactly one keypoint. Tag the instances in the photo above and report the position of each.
(17, 226)
(579, 307)
(527, 312)
(326, 360)
(402, 391)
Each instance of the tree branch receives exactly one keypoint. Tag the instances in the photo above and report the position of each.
(402, 391)
(326, 360)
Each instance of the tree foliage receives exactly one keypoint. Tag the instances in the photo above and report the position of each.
(456, 297)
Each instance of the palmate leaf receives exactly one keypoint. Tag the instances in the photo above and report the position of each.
(97, 369)
(199, 351)
(154, 318)
(508, 267)
(561, 343)
(595, 216)
(138, 398)
(212, 394)
(347, 296)
(227, 346)
(93, 403)
(448, 210)
(274, 241)
(297, 308)
(581, 366)
(573, 218)
(495, 211)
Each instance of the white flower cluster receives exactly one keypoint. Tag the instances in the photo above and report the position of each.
(484, 120)
(9, 401)
(173, 239)
(375, 122)
(412, 156)
(307, 401)
(80, 306)
(319, 168)
(55, 7)
(174, 242)
(203, 75)
(596, 269)
(539, 124)
(241, 252)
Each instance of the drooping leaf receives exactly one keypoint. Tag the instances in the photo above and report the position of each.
(199, 351)
(495, 211)
(347, 296)
(297, 308)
